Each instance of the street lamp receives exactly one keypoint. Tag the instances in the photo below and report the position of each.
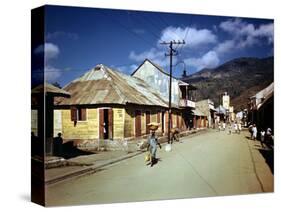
(184, 68)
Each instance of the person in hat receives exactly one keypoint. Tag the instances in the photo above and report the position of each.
(152, 147)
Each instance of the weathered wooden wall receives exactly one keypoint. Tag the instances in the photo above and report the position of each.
(123, 123)
(83, 129)
(57, 122)
(129, 123)
(118, 123)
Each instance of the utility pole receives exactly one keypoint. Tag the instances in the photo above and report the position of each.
(172, 53)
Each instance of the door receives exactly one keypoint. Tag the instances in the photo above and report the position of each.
(147, 121)
(137, 123)
(106, 123)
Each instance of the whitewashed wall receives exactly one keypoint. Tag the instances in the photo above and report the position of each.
(57, 122)
(159, 81)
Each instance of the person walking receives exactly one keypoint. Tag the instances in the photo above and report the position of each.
(262, 138)
(235, 127)
(223, 126)
(152, 147)
(268, 136)
(251, 130)
(219, 126)
(239, 127)
(255, 131)
(229, 128)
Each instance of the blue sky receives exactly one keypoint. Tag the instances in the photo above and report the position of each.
(77, 39)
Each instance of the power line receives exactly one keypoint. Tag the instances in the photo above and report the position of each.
(128, 30)
(82, 69)
(186, 33)
(167, 25)
(148, 21)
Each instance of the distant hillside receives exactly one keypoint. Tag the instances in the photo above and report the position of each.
(241, 78)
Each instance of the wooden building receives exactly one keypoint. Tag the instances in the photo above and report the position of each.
(261, 108)
(206, 106)
(108, 105)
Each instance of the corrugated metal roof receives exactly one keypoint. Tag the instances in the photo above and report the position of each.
(51, 89)
(103, 85)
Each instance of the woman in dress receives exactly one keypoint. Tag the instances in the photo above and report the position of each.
(152, 147)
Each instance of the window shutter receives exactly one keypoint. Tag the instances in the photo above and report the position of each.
(110, 123)
(83, 114)
(73, 114)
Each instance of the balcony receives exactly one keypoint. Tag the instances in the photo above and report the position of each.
(187, 103)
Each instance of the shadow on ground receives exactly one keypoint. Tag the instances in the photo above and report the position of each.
(268, 155)
(70, 151)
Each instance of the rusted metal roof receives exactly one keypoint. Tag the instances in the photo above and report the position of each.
(103, 85)
(50, 89)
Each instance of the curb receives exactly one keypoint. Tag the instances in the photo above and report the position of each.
(91, 169)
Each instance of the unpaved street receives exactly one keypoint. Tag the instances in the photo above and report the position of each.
(209, 164)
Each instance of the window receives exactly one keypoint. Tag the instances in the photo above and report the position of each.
(78, 114)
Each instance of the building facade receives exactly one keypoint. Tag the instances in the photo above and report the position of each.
(158, 79)
(107, 105)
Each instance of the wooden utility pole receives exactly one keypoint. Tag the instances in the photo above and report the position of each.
(172, 53)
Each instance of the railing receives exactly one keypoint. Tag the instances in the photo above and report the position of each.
(187, 103)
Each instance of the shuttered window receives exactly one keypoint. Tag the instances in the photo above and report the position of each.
(73, 113)
(78, 114)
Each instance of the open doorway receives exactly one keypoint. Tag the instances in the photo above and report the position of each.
(106, 123)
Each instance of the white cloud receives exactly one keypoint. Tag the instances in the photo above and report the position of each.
(246, 34)
(193, 37)
(155, 55)
(127, 69)
(208, 60)
(49, 50)
(225, 47)
(266, 30)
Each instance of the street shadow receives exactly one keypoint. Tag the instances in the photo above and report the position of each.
(248, 137)
(71, 151)
(257, 145)
(156, 161)
(268, 155)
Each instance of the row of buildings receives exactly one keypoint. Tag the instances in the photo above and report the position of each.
(105, 104)
(261, 108)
